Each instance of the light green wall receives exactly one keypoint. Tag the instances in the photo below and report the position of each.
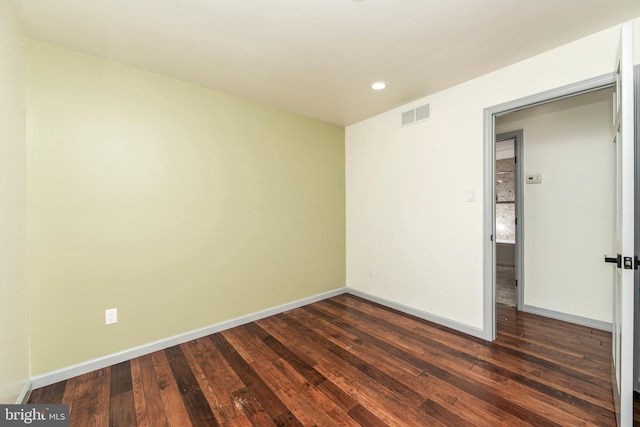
(178, 205)
(14, 339)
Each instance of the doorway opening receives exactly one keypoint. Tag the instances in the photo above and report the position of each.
(508, 191)
(490, 232)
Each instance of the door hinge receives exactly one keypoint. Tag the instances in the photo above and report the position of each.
(492, 237)
(516, 283)
(635, 262)
(628, 263)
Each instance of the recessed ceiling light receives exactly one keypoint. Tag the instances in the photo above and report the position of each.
(378, 85)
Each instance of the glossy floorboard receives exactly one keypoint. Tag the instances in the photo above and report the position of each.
(346, 361)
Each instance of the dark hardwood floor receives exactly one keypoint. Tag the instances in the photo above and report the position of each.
(346, 361)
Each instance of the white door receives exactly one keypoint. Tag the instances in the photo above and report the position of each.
(623, 294)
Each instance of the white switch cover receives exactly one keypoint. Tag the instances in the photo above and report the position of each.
(111, 316)
(471, 196)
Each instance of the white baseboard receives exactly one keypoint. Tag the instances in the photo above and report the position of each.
(578, 320)
(112, 359)
(26, 392)
(460, 327)
(16, 391)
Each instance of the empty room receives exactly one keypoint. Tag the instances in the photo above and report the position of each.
(283, 213)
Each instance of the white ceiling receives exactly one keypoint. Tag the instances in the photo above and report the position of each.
(319, 57)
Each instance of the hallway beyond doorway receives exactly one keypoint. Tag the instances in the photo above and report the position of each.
(505, 285)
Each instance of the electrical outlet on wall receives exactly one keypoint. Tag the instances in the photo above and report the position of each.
(111, 316)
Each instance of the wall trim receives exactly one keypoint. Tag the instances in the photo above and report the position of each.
(112, 359)
(460, 327)
(571, 318)
(26, 393)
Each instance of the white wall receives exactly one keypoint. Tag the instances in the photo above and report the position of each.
(568, 218)
(407, 214)
(14, 339)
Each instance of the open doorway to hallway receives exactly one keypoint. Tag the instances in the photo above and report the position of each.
(566, 208)
(505, 209)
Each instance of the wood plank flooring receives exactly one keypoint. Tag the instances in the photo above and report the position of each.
(346, 361)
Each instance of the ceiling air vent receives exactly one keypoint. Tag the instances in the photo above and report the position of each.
(417, 114)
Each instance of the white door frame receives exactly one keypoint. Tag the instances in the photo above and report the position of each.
(624, 295)
(489, 248)
(636, 230)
